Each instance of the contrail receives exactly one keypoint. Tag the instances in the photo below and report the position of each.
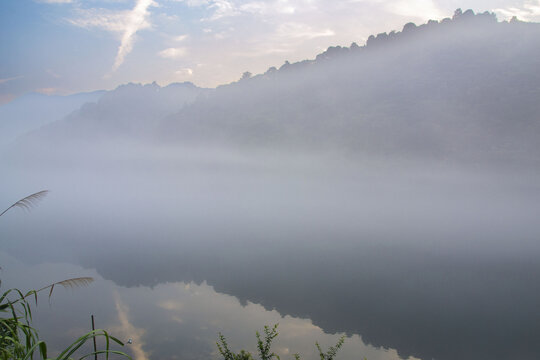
(136, 20)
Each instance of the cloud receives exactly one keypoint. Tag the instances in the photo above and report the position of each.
(137, 20)
(529, 11)
(55, 1)
(185, 72)
(113, 21)
(173, 53)
(416, 8)
(180, 38)
(196, 2)
(303, 31)
(222, 8)
(264, 50)
(128, 330)
(5, 80)
(425, 9)
(172, 305)
(125, 23)
(226, 8)
(47, 91)
(263, 8)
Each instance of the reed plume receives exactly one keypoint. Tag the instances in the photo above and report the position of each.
(28, 202)
(69, 283)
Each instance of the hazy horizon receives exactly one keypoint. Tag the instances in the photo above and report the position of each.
(387, 191)
(109, 43)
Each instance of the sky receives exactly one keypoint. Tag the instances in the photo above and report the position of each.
(60, 47)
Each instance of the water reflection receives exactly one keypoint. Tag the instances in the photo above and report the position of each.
(421, 302)
(440, 264)
(169, 321)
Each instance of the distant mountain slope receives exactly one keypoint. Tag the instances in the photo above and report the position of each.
(34, 110)
(130, 112)
(462, 88)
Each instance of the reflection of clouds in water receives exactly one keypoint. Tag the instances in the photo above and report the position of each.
(172, 320)
(200, 307)
(127, 330)
(171, 305)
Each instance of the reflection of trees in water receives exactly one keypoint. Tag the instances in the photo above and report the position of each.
(419, 302)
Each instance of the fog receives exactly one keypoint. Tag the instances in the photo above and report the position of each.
(389, 191)
(34, 110)
(402, 255)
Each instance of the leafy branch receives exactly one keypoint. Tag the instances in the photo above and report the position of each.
(332, 351)
(264, 347)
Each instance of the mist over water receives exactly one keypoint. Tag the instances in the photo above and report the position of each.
(405, 255)
(391, 198)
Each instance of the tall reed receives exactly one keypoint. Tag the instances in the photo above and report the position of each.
(18, 339)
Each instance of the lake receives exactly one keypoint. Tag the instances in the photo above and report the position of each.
(423, 261)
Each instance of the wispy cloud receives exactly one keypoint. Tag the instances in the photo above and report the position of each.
(227, 8)
(185, 72)
(223, 8)
(128, 330)
(113, 21)
(48, 91)
(425, 9)
(137, 20)
(55, 1)
(298, 30)
(173, 53)
(180, 38)
(5, 80)
(275, 7)
(529, 11)
(125, 23)
(415, 8)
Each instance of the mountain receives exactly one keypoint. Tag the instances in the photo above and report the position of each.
(166, 184)
(463, 88)
(32, 111)
(130, 110)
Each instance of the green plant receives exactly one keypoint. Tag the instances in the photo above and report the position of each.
(264, 345)
(227, 354)
(332, 351)
(18, 339)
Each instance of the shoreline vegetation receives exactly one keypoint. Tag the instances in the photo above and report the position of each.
(19, 340)
(264, 347)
